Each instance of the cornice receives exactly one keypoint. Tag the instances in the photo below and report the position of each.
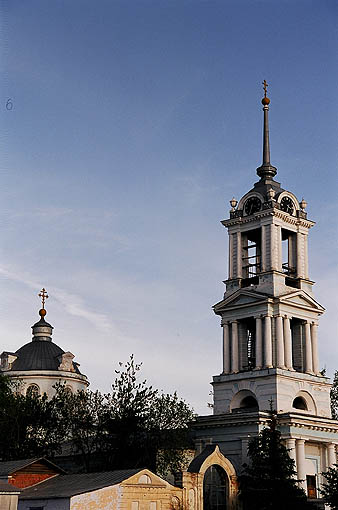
(292, 220)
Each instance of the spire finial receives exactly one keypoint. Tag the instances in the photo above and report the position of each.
(43, 295)
(265, 100)
(266, 171)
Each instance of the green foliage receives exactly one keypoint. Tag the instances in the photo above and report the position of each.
(268, 481)
(334, 397)
(133, 426)
(329, 490)
(27, 425)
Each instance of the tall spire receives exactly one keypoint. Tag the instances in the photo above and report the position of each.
(266, 171)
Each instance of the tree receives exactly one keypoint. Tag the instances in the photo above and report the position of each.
(330, 487)
(268, 482)
(149, 428)
(133, 426)
(27, 425)
(334, 397)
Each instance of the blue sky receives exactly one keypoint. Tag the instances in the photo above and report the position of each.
(134, 123)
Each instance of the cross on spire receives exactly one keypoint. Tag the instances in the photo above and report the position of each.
(265, 87)
(43, 295)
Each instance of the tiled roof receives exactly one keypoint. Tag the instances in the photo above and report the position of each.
(65, 486)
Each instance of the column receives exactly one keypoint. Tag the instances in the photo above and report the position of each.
(263, 248)
(280, 342)
(300, 455)
(314, 346)
(287, 343)
(259, 343)
(273, 247)
(226, 348)
(300, 255)
(291, 446)
(331, 454)
(308, 349)
(267, 342)
(239, 255)
(234, 347)
(279, 247)
(231, 248)
(306, 257)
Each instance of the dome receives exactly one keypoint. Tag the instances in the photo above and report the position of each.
(39, 356)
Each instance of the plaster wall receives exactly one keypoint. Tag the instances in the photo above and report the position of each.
(46, 379)
(107, 498)
(8, 502)
(282, 386)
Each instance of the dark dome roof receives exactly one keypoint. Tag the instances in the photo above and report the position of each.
(39, 356)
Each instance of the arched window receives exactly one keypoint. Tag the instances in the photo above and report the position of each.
(215, 488)
(33, 390)
(144, 479)
(249, 403)
(299, 403)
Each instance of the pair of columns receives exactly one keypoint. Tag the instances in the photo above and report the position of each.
(263, 348)
(296, 449)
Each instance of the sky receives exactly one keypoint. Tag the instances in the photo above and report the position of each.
(133, 123)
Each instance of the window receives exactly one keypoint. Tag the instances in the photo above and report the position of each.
(251, 256)
(249, 403)
(33, 390)
(311, 486)
(251, 344)
(298, 339)
(215, 488)
(299, 403)
(144, 479)
(289, 253)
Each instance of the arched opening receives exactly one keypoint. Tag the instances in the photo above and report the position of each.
(299, 403)
(249, 403)
(33, 390)
(244, 401)
(215, 488)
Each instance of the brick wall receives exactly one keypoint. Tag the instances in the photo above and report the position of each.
(22, 480)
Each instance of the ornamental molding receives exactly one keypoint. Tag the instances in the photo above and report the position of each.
(292, 220)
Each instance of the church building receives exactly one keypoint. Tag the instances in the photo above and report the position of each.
(269, 318)
(40, 364)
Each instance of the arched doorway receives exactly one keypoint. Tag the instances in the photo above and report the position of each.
(215, 488)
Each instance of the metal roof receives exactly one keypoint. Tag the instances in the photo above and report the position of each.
(11, 466)
(39, 356)
(6, 488)
(66, 486)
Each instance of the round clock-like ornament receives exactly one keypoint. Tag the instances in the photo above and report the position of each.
(286, 205)
(252, 205)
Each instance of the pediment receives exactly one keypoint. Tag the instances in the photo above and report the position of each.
(241, 297)
(302, 299)
(147, 478)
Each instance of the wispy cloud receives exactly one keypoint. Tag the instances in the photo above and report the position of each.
(71, 302)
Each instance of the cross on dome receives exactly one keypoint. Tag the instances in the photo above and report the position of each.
(43, 295)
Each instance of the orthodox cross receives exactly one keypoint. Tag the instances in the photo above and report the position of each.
(265, 87)
(43, 295)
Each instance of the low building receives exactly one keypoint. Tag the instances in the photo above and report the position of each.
(8, 496)
(28, 472)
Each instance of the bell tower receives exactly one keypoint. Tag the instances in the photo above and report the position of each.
(269, 319)
(268, 314)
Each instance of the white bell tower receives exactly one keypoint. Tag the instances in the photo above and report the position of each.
(269, 319)
(269, 315)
